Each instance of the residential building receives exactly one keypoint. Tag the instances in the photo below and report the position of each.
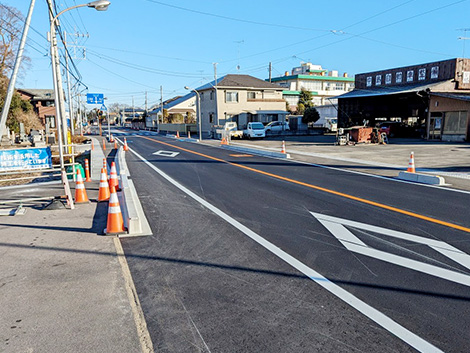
(433, 98)
(183, 105)
(323, 84)
(241, 99)
(43, 103)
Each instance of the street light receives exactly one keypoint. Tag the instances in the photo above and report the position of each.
(198, 106)
(100, 5)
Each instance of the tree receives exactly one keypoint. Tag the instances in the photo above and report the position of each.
(300, 108)
(305, 98)
(311, 115)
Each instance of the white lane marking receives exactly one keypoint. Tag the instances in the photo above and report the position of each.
(166, 153)
(393, 327)
(350, 241)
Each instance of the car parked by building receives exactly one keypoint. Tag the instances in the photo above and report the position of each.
(276, 126)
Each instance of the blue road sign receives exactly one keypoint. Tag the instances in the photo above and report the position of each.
(103, 108)
(95, 98)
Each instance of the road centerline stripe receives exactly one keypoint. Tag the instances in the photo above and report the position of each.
(319, 188)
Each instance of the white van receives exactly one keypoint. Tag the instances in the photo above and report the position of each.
(254, 130)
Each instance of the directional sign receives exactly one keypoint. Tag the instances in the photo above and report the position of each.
(336, 226)
(95, 98)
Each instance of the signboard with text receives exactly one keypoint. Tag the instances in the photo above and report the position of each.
(25, 158)
(95, 98)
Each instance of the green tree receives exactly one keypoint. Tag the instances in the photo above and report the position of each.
(300, 108)
(311, 115)
(305, 98)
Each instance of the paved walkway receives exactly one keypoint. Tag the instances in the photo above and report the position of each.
(62, 283)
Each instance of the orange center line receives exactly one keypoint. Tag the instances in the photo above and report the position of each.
(319, 188)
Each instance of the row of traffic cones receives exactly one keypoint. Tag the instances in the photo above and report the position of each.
(126, 148)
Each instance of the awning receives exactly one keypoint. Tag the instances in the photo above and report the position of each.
(383, 91)
(254, 112)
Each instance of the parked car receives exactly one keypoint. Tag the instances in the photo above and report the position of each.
(254, 130)
(390, 128)
(277, 126)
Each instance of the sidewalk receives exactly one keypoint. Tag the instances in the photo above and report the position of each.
(62, 285)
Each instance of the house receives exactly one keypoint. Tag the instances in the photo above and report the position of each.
(323, 84)
(432, 98)
(240, 99)
(43, 103)
(181, 105)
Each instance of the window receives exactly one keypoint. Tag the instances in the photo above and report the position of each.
(311, 85)
(339, 86)
(410, 75)
(251, 95)
(455, 123)
(212, 95)
(369, 81)
(421, 74)
(435, 72)
(399, 77)
(202, 96)
(50, 119)
(378, 80)
(231, 96)
(388, 79)
(211, 117)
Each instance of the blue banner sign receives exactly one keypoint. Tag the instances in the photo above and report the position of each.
(25, 158)
(95, 98)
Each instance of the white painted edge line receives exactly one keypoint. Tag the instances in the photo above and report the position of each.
(388, 324)
(139, 318)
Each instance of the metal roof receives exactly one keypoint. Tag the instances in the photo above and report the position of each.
(462, 97)
(383, 91)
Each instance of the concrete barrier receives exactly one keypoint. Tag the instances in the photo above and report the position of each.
(131, 208)
(422, 178)
(257, 152)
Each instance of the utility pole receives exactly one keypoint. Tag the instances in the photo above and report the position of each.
(464, 38)
(72, 130)
(270, 70)
(161, 111)
(215, 89)
(14, 74)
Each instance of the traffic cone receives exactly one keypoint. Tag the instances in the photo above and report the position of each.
(111, 139)
(87, 171)
(92, 146)
(177, 134)
(189, 134)
(80, 192)
(115, 224)
(283, 148)
(104, 145)
(224, 141)
(411, 164)
(103, 193)
(113, 179)
(115, 144)
(126, 148)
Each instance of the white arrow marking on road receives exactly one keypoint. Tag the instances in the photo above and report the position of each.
(337, 227)
(166, 153)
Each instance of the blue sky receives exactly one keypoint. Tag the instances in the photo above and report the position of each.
(140, 45)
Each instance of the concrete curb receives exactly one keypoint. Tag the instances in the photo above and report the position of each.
(257, 152)
(421, 178)
(132, 211)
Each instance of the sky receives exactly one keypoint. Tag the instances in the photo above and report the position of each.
(136, 46)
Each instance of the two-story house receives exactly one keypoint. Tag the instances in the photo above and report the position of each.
(240, 99)
(43, 103)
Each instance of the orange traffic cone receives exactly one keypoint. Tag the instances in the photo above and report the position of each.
(189, 134)
(113, 179)
(411, 164)
(111, 139)
(80, 192)
(224, 141)
(126, 148)
(87, 171)
(115, 224)
(104, 145)
(283, 148)
(92, 146)
(115, 144)
(177, 134)
(103, 194)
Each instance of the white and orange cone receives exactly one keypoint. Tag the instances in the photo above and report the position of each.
(115, 224)
(177, 134)
(113, 179)
(104, 145)
(87, 171)
(103, 193)
(111, 139)
(411, 164)
(189, 134)
(283, 148)
(126, 148)
(115, 144)
(80, 191)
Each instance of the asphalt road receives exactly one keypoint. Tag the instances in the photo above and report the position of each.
(243, 258)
